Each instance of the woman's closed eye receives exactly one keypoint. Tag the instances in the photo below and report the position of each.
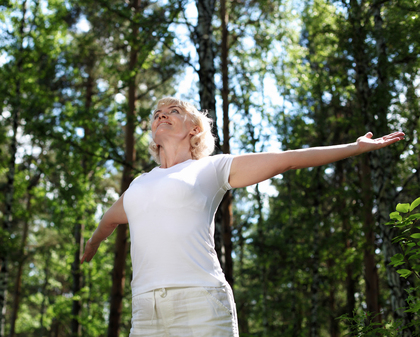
(156, 116)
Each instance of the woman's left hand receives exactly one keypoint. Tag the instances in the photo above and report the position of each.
(90, 251)
(366, 143)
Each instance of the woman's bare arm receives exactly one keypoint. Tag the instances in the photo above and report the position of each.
(114, 216)
(253, 168)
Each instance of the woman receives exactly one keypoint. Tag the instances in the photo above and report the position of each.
(178, 285)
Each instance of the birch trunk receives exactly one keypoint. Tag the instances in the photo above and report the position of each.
(226, 207)
(203, 38)
(205, 49)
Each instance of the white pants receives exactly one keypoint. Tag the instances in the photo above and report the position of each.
(185, 312)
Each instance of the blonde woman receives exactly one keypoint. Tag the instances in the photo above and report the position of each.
(178, 286)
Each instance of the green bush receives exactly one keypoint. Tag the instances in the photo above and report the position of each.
(408, 226)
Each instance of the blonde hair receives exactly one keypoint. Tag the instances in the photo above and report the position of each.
(202, 144)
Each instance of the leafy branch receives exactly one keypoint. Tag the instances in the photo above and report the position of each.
(408, 225)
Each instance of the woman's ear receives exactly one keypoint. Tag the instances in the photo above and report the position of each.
(195, 130)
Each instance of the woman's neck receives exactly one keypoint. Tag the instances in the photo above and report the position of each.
(170, 156)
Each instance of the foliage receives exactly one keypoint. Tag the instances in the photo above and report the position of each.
(296, 70)
(405, 220)
(408, 239)
(358, 326)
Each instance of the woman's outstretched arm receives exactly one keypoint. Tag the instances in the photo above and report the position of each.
(253, 168)
(114, 216)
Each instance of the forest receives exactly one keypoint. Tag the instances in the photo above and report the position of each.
(312, 252)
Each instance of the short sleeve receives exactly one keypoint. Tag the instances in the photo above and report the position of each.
(222, 163)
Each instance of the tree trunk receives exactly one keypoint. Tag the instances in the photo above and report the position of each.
(227, 201)
(263, 267)
(242, 303)
(22, 256)
(204, 40)
(76, 328)
(9, 194)
(18, 283)
(77, 280)
(382, 173)
(371, 271)
(314, 324)
(44, 295)
(118, 274)
(364, 95)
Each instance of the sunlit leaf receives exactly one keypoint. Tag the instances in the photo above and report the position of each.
(414, 204)
(403, 208)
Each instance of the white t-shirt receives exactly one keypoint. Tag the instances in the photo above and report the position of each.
(171, 217)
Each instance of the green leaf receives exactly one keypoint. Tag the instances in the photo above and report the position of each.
(414, 216)
(395, 216)
(414, 308)
(397, 258)
(398, 239)
(411, 244)
(414, 204)
(403, 208)
(415, 236)
(416, 256)
(404, 272)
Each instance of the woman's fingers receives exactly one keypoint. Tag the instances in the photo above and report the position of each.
(89, 253)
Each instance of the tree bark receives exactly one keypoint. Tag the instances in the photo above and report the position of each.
(76, 328)
(203, 38)
(263, 266)
(9, 195)
(77, 280)
(227, 201)
(118, 274)
(205, 49)
(371, 271)
(44, 295)
(22, 257)
(314, 324)
(382, 173)
(364, 95)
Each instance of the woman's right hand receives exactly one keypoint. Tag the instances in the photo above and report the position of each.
(90, 251)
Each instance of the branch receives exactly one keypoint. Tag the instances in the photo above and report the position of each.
(82, 150)
(182, 57)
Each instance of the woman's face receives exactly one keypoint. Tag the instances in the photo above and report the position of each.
(172, 121)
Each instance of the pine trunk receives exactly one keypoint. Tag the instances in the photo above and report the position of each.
(263, 267)
(314, 325)
(77, 280)
(22, 256)
(382, 173)
(9, 194)
(369, 257)
(44, 293)
(364, 95)
(76, 328)
(118, 274)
